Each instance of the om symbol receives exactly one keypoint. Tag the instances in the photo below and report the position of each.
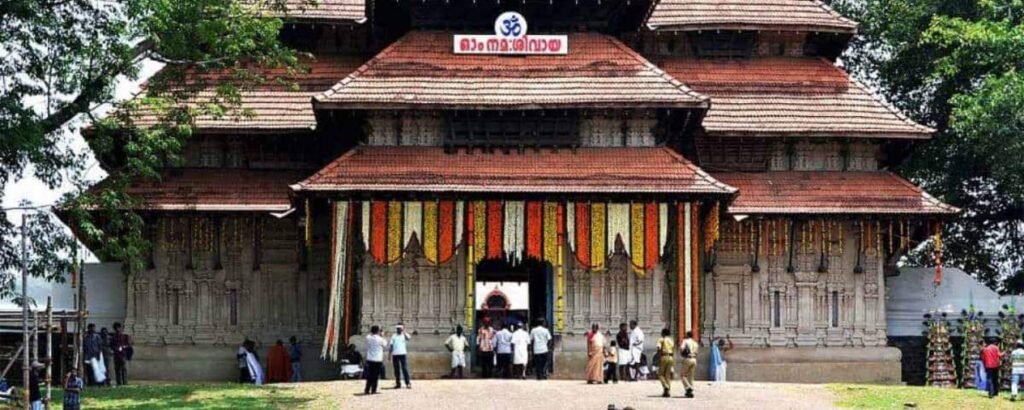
(511, 27)
(510, 24)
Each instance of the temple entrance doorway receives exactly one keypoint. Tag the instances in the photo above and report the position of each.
(512, 294)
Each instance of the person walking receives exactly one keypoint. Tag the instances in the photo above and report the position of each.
(295, 358)
(456, 344)
(520, 348)
(636, 348)
(503, 348)
(1017, 368)
(666, 361)
(595, 355)
(611, 363)
(485, 348)
(541, 338)
(990, 357)
(400, 356)
(374, 359)
(123, 352)
(688, 353)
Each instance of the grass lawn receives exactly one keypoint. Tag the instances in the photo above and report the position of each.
(896, 397)
(194, 396)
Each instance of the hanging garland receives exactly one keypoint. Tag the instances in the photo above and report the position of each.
(938, 252)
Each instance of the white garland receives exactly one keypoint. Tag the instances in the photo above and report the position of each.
(460, 212)
(618, 225)
(662, 228)
(366, 224)
(513, 231)
(412, 222)
(570, 225)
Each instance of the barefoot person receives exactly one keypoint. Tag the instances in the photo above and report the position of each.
(485, 347)
(595, 355)
(666, 361)
(503, 346)
(636, 348)
(611, 364)
(400, 356)
(375, 346)
(520, 349)
(718, 365)
(456, 344)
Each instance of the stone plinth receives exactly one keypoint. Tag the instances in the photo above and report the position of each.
(812, 365)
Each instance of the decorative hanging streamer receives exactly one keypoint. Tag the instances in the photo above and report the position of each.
(339, 266)
(534, 216)
(473, 230)
(937, 228)
(460, 223)
(553, 219)
(430, 236)
(309, 228)
(618, 227)
(395, 245)
(662, 228)
(495, 230)
(711, 233)
(695, 271)
(412, 222)
(652, 247)
(570, 225)
(364, 220)
(559, 263)
(582, 231)
(514, 229)
(379, 231)
(449, 221)
(636, 224)
(598, 238)
(478, 230)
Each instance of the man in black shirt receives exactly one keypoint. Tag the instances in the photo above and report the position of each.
(35, 397)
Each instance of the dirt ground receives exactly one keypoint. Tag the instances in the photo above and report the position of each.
(568, 394)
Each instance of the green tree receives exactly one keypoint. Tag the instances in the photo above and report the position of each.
(60, 59)
(957, 66)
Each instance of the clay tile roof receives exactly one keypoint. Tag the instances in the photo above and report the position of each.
(584, 170)
(789, 96)
(422, 70)
(794, 15)
(216, 189)
(326, 10)
(274, 105)
(829, 192)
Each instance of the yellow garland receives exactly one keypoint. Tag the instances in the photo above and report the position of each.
(394, 239)
(550, 232)
(636, 241)
(890, 237)
(430, 250)
(598, 235)
(711, 230)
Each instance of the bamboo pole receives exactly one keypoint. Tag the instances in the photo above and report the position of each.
(24, 309)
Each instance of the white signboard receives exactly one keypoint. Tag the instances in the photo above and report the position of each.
(510, 38)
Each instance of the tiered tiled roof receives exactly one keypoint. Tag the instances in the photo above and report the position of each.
(282, 103)
(422, 70)
(327, 10)
(583, 170)
(795, 15)
(216, 189)
(781, 96)
(829, 192)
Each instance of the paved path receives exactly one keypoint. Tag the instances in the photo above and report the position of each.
(569, 394)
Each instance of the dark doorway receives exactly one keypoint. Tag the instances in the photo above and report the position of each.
(532, 271)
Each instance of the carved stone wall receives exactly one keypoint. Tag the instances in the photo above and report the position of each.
(825, 297)
(616, 295)
(218, 278)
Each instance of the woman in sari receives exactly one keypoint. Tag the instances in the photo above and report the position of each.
(595, 356)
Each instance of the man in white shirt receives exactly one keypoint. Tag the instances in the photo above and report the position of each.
(399, 356)
(520, 346)
(541, 338)
(503, 348)
(456, 344)
(636, 347)
(375, 346)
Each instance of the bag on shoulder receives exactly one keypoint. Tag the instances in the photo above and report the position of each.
(686, 351)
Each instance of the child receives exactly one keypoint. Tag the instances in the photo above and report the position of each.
(611, 361)
(72, 389)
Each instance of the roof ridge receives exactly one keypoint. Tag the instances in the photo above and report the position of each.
(889, 107)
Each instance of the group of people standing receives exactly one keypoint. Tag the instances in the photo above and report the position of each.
(284, 363)
(623, 357)
(100, 348)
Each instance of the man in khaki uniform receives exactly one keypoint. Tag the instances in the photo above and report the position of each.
(688, 351)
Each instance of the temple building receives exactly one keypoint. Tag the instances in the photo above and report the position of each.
(695, 165)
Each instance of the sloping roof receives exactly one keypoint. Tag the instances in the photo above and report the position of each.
(792, 15)
(282, 105)
(326, 10)
(583, 170)
(828, 192)
(789, 96)
(422, 70)
(216, 189)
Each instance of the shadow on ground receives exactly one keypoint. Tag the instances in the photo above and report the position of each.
(188, 396)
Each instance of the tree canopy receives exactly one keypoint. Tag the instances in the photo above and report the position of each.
(61, 59)
(957, 66)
